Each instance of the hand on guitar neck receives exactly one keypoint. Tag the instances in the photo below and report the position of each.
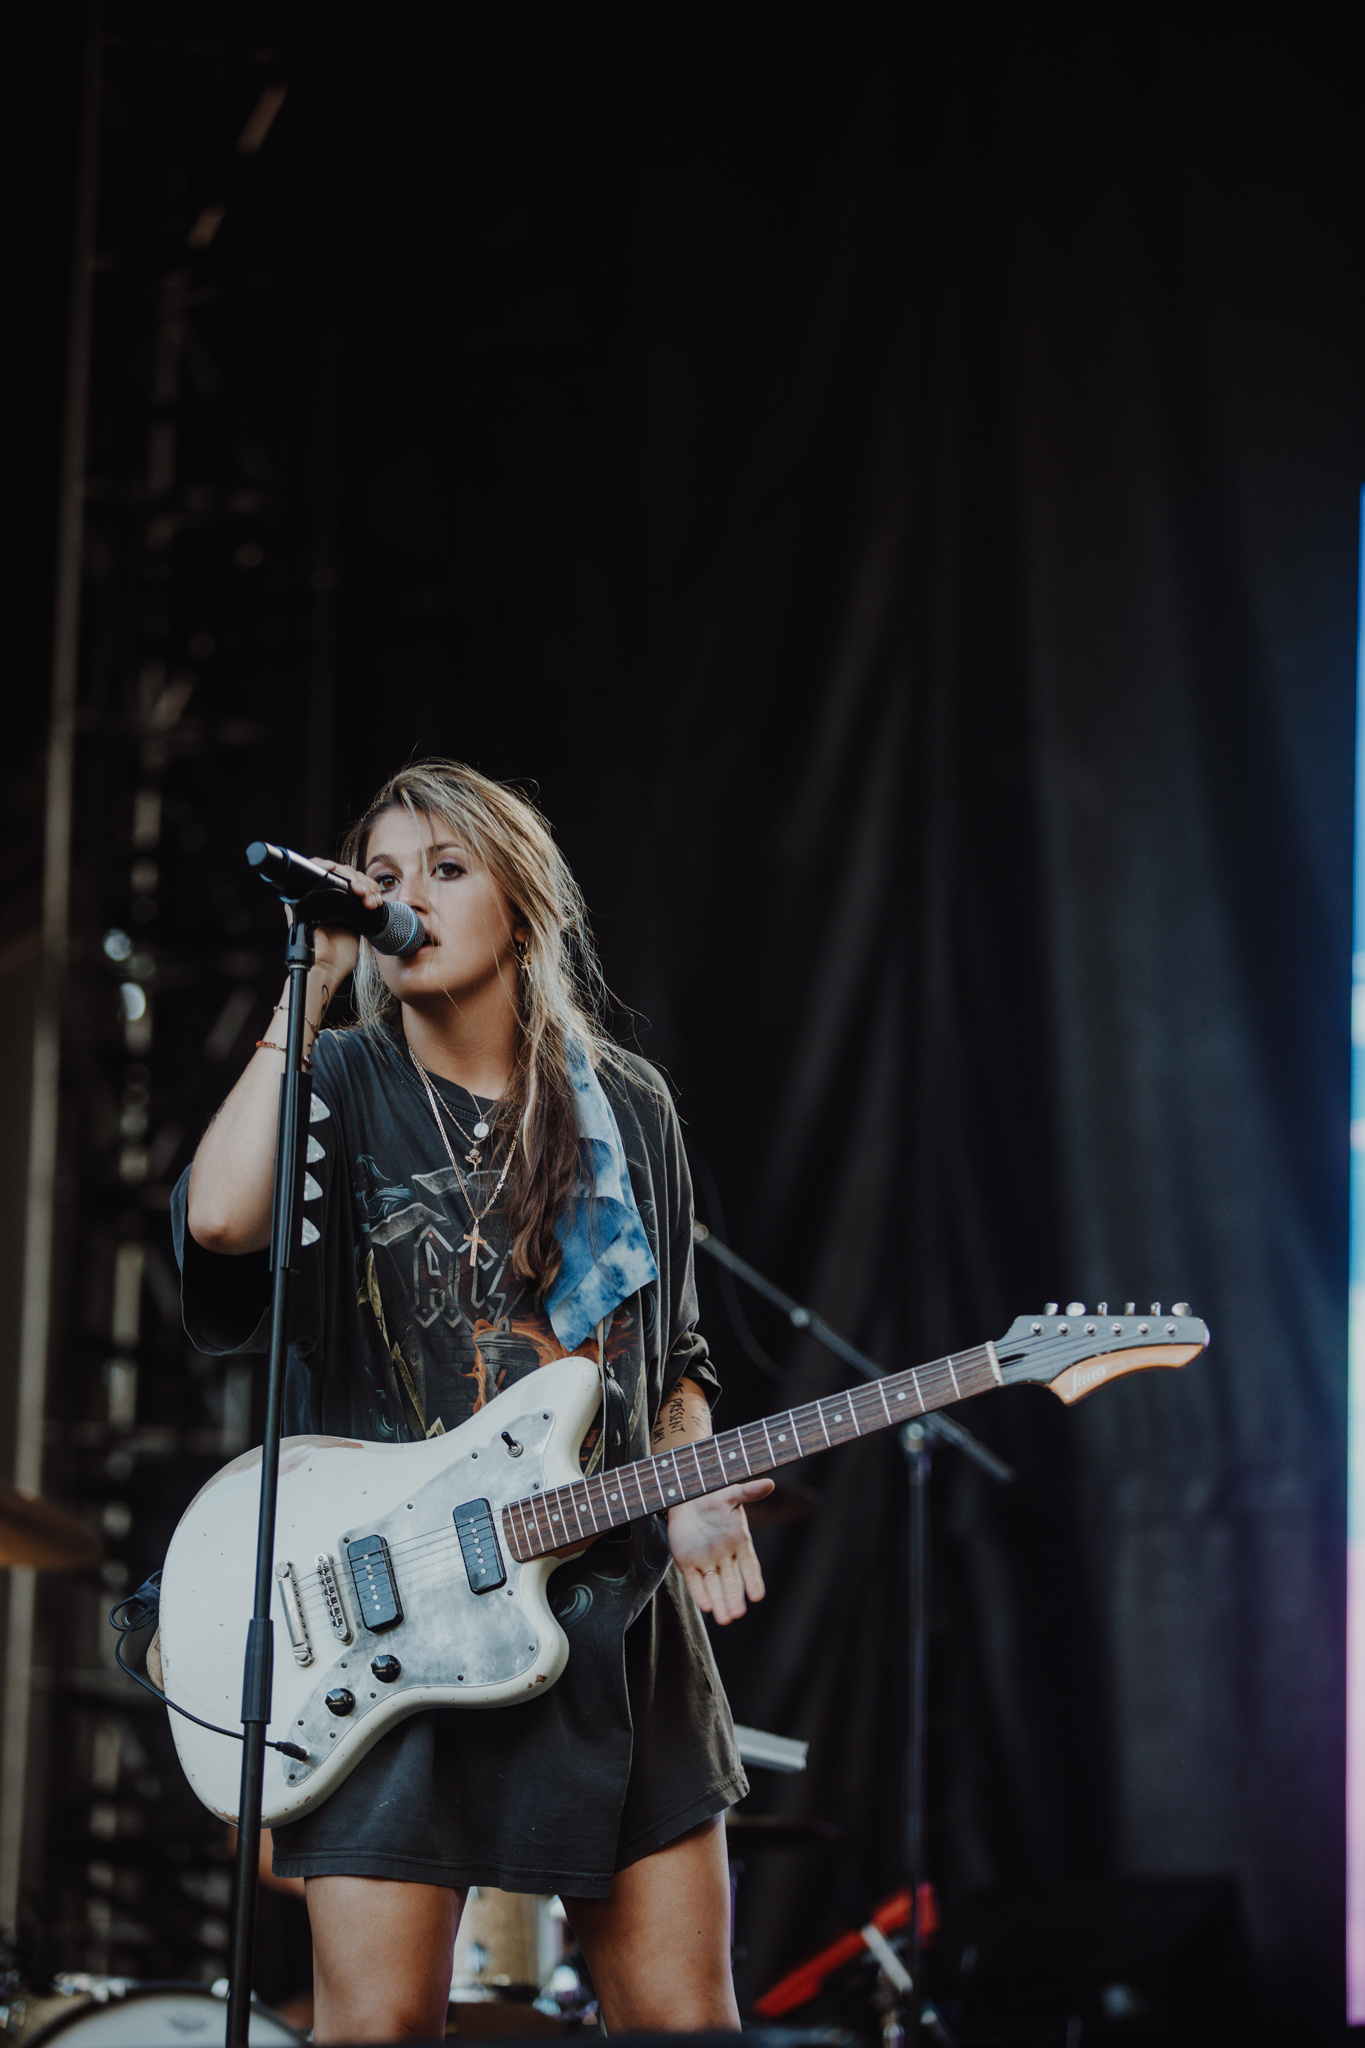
(709, 1537)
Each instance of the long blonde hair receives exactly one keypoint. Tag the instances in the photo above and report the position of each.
(560, 996)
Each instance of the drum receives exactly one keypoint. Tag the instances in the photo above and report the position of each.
(154, 2016)
(506, 1949)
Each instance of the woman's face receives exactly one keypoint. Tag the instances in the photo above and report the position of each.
(468, 920)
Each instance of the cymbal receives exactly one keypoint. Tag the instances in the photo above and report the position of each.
(38, 1533)
(746, 1832)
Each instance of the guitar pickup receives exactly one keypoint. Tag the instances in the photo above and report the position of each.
(376, 1589)
(479, 1546)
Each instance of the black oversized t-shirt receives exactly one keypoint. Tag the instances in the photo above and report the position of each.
(400, 1320)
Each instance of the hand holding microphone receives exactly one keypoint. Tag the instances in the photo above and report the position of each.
(390, 927)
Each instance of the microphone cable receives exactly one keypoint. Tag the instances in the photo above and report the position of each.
(139, 1610)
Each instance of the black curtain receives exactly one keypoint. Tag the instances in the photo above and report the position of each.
(892, 483)
(894, 490)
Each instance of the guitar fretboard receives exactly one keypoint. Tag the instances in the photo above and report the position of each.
(542, 1522)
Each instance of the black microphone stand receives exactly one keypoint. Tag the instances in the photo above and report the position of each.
(285, 1231)
(916, 1440)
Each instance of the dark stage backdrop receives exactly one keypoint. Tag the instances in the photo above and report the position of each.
(893, 489)
(896, 494)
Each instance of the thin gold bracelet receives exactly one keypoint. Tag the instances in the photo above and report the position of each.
(282, 1010)
(269, 1045)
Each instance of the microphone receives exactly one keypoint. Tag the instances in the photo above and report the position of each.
(393, 928)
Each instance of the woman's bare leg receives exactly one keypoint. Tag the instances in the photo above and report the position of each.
(381, 1958)
(659, 1947)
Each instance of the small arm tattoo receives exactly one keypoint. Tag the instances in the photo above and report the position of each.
(672, 1420)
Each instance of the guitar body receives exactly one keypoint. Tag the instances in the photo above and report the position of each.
(414, 1574)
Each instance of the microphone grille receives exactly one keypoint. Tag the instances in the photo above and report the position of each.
(402, 933)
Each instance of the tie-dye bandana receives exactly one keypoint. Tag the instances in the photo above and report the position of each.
(606, 1253)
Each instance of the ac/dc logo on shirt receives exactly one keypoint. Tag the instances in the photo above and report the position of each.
(453, 1279)
(465, 1321)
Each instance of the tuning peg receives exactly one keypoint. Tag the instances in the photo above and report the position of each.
(1101, 1308)
(1130, 1308)
(1049, 1308)
(1180, 1308)
(1075, 1308)
(1156, 1308)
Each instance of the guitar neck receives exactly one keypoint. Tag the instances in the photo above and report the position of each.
(542, 1522)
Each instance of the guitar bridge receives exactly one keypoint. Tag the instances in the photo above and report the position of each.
(479, 1546)
(294, 1619)
(376, 1589)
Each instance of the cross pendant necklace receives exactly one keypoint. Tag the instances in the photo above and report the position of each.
(475, 1241)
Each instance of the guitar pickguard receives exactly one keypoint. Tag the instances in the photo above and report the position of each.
(396, 1588)
(448, 1634)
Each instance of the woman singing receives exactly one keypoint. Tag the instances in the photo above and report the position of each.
(494, 1185)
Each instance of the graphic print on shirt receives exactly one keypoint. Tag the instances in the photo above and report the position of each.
(458, 1323)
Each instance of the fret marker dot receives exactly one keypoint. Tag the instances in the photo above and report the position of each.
(733, 1456)
(900, 1397)
(670, 1493)
(782, 1436)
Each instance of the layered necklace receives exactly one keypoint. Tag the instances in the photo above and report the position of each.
(473, 1158)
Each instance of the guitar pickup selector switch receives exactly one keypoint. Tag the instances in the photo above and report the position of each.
(376, 1589)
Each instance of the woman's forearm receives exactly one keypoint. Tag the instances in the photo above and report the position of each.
(232, 1177)
(684, 1417)
(709, 1537)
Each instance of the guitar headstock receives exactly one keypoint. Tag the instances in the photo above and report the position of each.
(1074, 1350)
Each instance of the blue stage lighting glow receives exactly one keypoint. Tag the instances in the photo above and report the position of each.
(1355, 1498)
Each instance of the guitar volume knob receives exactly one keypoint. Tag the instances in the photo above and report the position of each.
(341, 1700)
(386, 1669)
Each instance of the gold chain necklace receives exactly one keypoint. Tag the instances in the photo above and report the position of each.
(482, 1127)
(477, 1216)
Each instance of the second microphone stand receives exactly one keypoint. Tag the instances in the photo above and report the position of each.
(917, 1440)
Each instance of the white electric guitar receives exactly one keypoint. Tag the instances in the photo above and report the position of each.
(415, 1575)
